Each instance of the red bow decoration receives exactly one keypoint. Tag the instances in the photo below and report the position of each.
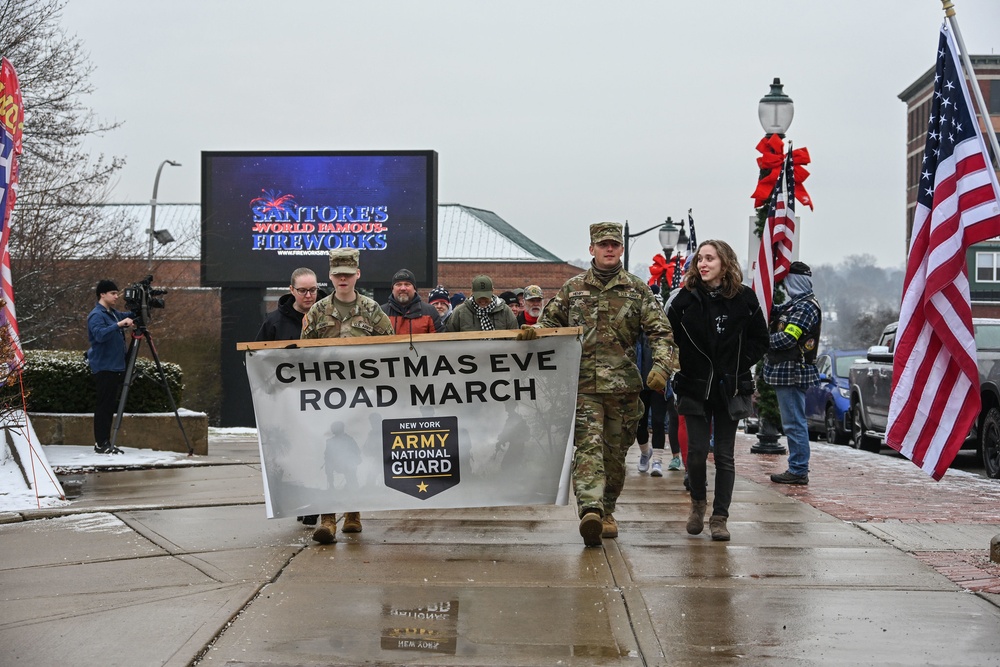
(772, 156)
(658, 269)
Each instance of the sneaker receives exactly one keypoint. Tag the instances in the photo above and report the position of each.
(789, 477)
(657, 470)
(609, 526)
(352, 523)
(644, 460)
(591, 528)
(107, 448)
(675, 463)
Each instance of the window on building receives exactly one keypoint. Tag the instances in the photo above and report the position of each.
(994, 97)
(988, 267)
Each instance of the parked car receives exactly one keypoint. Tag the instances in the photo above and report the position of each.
(828, 404)
(871, 385)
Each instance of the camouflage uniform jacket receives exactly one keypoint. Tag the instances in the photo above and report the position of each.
(366, 319)
(612, 317)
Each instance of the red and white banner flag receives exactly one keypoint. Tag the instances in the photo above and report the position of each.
(935, 394)
(11, 125)
(777, 240)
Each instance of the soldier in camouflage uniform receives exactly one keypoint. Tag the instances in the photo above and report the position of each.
(612, 306)
(343, 314)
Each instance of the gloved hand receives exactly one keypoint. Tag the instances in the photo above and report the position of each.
(527, 332)
(656, 380)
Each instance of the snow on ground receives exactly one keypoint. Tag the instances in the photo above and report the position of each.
(16, 494)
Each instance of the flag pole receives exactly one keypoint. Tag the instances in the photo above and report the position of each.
(949, 12)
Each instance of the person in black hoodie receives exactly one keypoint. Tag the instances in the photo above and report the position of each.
(721, 332)
(285, 322)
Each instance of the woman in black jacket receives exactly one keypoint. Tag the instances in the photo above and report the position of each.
(721, 333)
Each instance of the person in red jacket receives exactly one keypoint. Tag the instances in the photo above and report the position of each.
(408, 313)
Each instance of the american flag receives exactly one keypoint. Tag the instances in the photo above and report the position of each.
(11, 124)
(777, 239)
(692, 238)
(935, 393)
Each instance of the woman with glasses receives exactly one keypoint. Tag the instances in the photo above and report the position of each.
(285, 322)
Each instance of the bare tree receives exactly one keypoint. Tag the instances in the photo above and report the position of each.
(863, 296)
(55, 218)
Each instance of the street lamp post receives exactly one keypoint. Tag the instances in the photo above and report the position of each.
(775, 111)
(668, 234)
(163, 236)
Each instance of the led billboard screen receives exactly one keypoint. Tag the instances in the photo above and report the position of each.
(266, 214)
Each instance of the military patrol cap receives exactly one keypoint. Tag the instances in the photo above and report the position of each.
(606, 231)
(482, 286)
(533, 292)
(343, 260)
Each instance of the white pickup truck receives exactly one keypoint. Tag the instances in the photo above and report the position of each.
(871, 386)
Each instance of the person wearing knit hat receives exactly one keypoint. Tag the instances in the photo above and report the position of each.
(440, 299)
(106, 357)
(514, 303)
(790, 365)
(408, 313)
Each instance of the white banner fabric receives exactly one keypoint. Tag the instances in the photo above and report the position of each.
(430, 424)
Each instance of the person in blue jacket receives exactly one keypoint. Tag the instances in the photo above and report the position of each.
(106, 356)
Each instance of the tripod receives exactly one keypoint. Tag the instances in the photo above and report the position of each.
(138, 334)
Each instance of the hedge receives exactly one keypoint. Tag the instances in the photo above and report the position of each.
(61, 381)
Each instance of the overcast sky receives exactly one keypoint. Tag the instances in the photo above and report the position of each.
(552, 114)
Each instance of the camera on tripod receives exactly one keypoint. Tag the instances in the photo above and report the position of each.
(141, 297)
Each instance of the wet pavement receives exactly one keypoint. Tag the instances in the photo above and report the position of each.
(871, 563)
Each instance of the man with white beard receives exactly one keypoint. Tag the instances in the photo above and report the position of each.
(533, 305)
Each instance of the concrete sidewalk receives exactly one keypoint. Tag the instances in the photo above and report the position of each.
(871, 563)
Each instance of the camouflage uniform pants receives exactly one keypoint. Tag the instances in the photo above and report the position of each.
(605, 429)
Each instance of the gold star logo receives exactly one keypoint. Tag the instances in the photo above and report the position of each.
(422, 487)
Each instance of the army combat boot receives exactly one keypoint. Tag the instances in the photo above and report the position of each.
(609, 526)
(327, 531)
(591, 528)
(352, 522)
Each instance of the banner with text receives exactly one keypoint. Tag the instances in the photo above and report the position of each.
(433, 424)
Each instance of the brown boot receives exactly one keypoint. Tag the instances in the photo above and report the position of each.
(591, 527)
(717, 524)
(609, 527)
(352, 523)
(327, 531)
(696, 520)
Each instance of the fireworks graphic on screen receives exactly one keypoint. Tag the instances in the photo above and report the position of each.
(274, 202)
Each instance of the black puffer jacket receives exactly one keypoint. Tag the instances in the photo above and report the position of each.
(713, 362)
(284, 322)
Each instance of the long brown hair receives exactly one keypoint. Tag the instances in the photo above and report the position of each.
(731, 280)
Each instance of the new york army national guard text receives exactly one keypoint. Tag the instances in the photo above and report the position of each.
(612, 306)
(343, 314)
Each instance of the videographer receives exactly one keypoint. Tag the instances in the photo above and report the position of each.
(106, 356)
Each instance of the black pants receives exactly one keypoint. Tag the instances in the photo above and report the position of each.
(108, 385)
(654, 405)
(699, 431)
